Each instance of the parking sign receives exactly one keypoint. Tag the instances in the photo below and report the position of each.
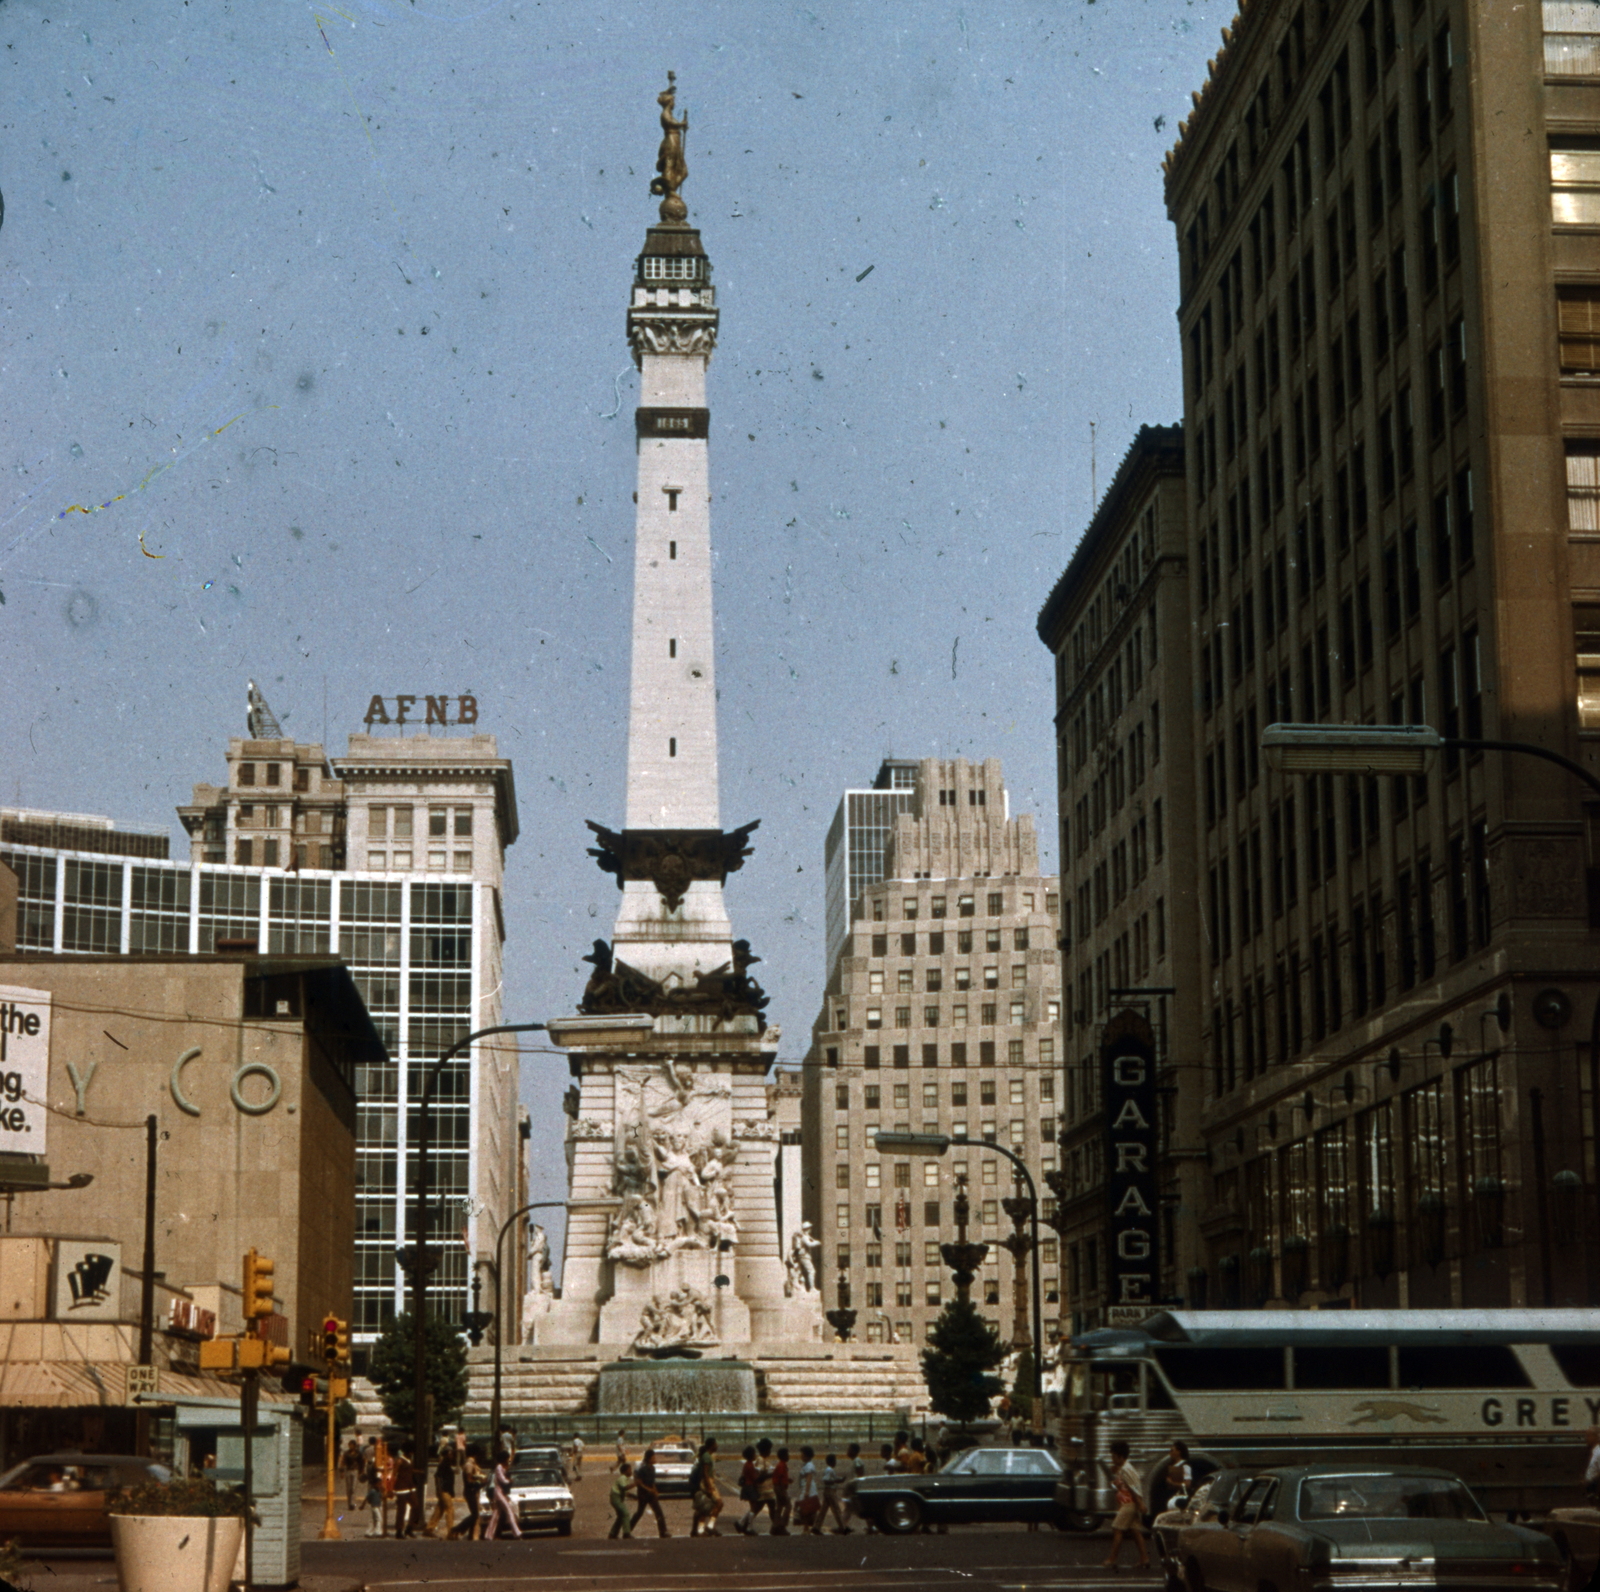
(24, 1068)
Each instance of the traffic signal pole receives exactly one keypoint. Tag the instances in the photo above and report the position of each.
(330, 1526)
(335, 1350)
(249, 1390)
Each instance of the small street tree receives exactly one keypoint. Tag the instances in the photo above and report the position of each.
(963, 1350)
(393, 1371)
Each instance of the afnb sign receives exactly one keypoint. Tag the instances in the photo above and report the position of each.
(435, 710)
(1128, 1088)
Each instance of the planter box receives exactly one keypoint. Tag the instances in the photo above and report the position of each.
(175, 1553)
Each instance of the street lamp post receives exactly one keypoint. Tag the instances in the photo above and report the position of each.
(499, 1314)
(417, 1261)
(939, 1144)
(420, 1262)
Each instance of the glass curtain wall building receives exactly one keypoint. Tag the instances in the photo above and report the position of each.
(424, 949)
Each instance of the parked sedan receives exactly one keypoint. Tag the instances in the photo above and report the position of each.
(59, 1500)
(979, 1487)
(1318, 1527)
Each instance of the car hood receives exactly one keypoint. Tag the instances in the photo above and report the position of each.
(1431, 1539)
(556, 1494)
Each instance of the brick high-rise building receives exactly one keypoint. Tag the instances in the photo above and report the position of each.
(1118, 625)
(942, 1015)
(1387, 215)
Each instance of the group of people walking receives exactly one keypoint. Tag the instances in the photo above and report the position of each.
(461, 1472)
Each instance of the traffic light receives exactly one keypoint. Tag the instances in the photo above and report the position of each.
(335, 1340)
(257, 1286)
(308, 1390)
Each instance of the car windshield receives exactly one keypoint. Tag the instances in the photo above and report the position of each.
(536, 1476)
(674, 1456)
(1380, 1497)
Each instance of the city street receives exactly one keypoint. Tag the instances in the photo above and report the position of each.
(970, 1558)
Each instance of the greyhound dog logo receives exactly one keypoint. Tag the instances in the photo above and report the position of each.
(89, 1281)
(1393, 1409)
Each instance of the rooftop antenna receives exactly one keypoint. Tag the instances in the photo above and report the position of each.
(1094, 496)
(259, 719)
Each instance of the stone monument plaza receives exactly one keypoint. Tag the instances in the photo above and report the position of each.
(673, 1245)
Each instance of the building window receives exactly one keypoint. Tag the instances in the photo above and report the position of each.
(874, 1176)
(841, 1175)
(247, 773)
(874, 1017)
(930, 1174)
(1019, 975)
(1019, 1011)
(909, 906)
(841, 1216)
(903, 980)
(902, 1017)
(902, 1174)
(936, 906)
(1574, 188)
(841, 1136)
(402, 823)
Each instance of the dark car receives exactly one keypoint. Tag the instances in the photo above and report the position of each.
(1318, 1527)
(1576, 1534)
(59, 1500)
(1204, 1506)
(979, 1487)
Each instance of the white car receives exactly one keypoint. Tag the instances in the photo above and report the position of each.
(674, 1469)
(540, 1495)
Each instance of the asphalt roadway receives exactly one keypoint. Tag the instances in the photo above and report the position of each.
(971, 1558)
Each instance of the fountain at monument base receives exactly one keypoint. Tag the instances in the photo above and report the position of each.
(677, 1387)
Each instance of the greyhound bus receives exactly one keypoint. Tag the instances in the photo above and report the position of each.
(1500, 1397)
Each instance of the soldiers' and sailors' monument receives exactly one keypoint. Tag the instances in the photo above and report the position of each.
(673, 1241)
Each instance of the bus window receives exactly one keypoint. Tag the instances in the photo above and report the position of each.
(1462, 1365)
(1349, 1367)
(1579, 1361)
(1222, 1370)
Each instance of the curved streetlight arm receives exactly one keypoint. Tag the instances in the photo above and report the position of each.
(499, 1323)
(419, 1251)
(1457, 743)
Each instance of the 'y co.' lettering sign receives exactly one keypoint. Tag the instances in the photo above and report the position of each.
(1128, 1088)
(436, 710)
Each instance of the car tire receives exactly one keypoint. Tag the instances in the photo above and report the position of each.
(563, 1528)
(1078, 1520)
(901, 1516)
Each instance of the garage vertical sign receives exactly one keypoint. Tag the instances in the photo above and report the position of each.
(1128, 1084)
(24, 1069)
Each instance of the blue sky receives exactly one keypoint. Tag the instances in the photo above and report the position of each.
(328, 303)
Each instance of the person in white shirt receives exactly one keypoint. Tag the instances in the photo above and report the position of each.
(1130, 1506)
(1591, 1471)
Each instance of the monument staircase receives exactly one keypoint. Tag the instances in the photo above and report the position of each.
(867, 1378)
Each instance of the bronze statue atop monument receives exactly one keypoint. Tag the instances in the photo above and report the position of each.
(670, 165)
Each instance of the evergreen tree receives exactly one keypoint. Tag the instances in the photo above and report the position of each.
(963, 1349)
(392, 1370)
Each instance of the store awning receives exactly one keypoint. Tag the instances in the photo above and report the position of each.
(100, 1384)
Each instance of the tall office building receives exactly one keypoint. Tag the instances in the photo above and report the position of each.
(857, 839)
(1387, 223)
(1117, 623)
(391, 857)
(942, 1014)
